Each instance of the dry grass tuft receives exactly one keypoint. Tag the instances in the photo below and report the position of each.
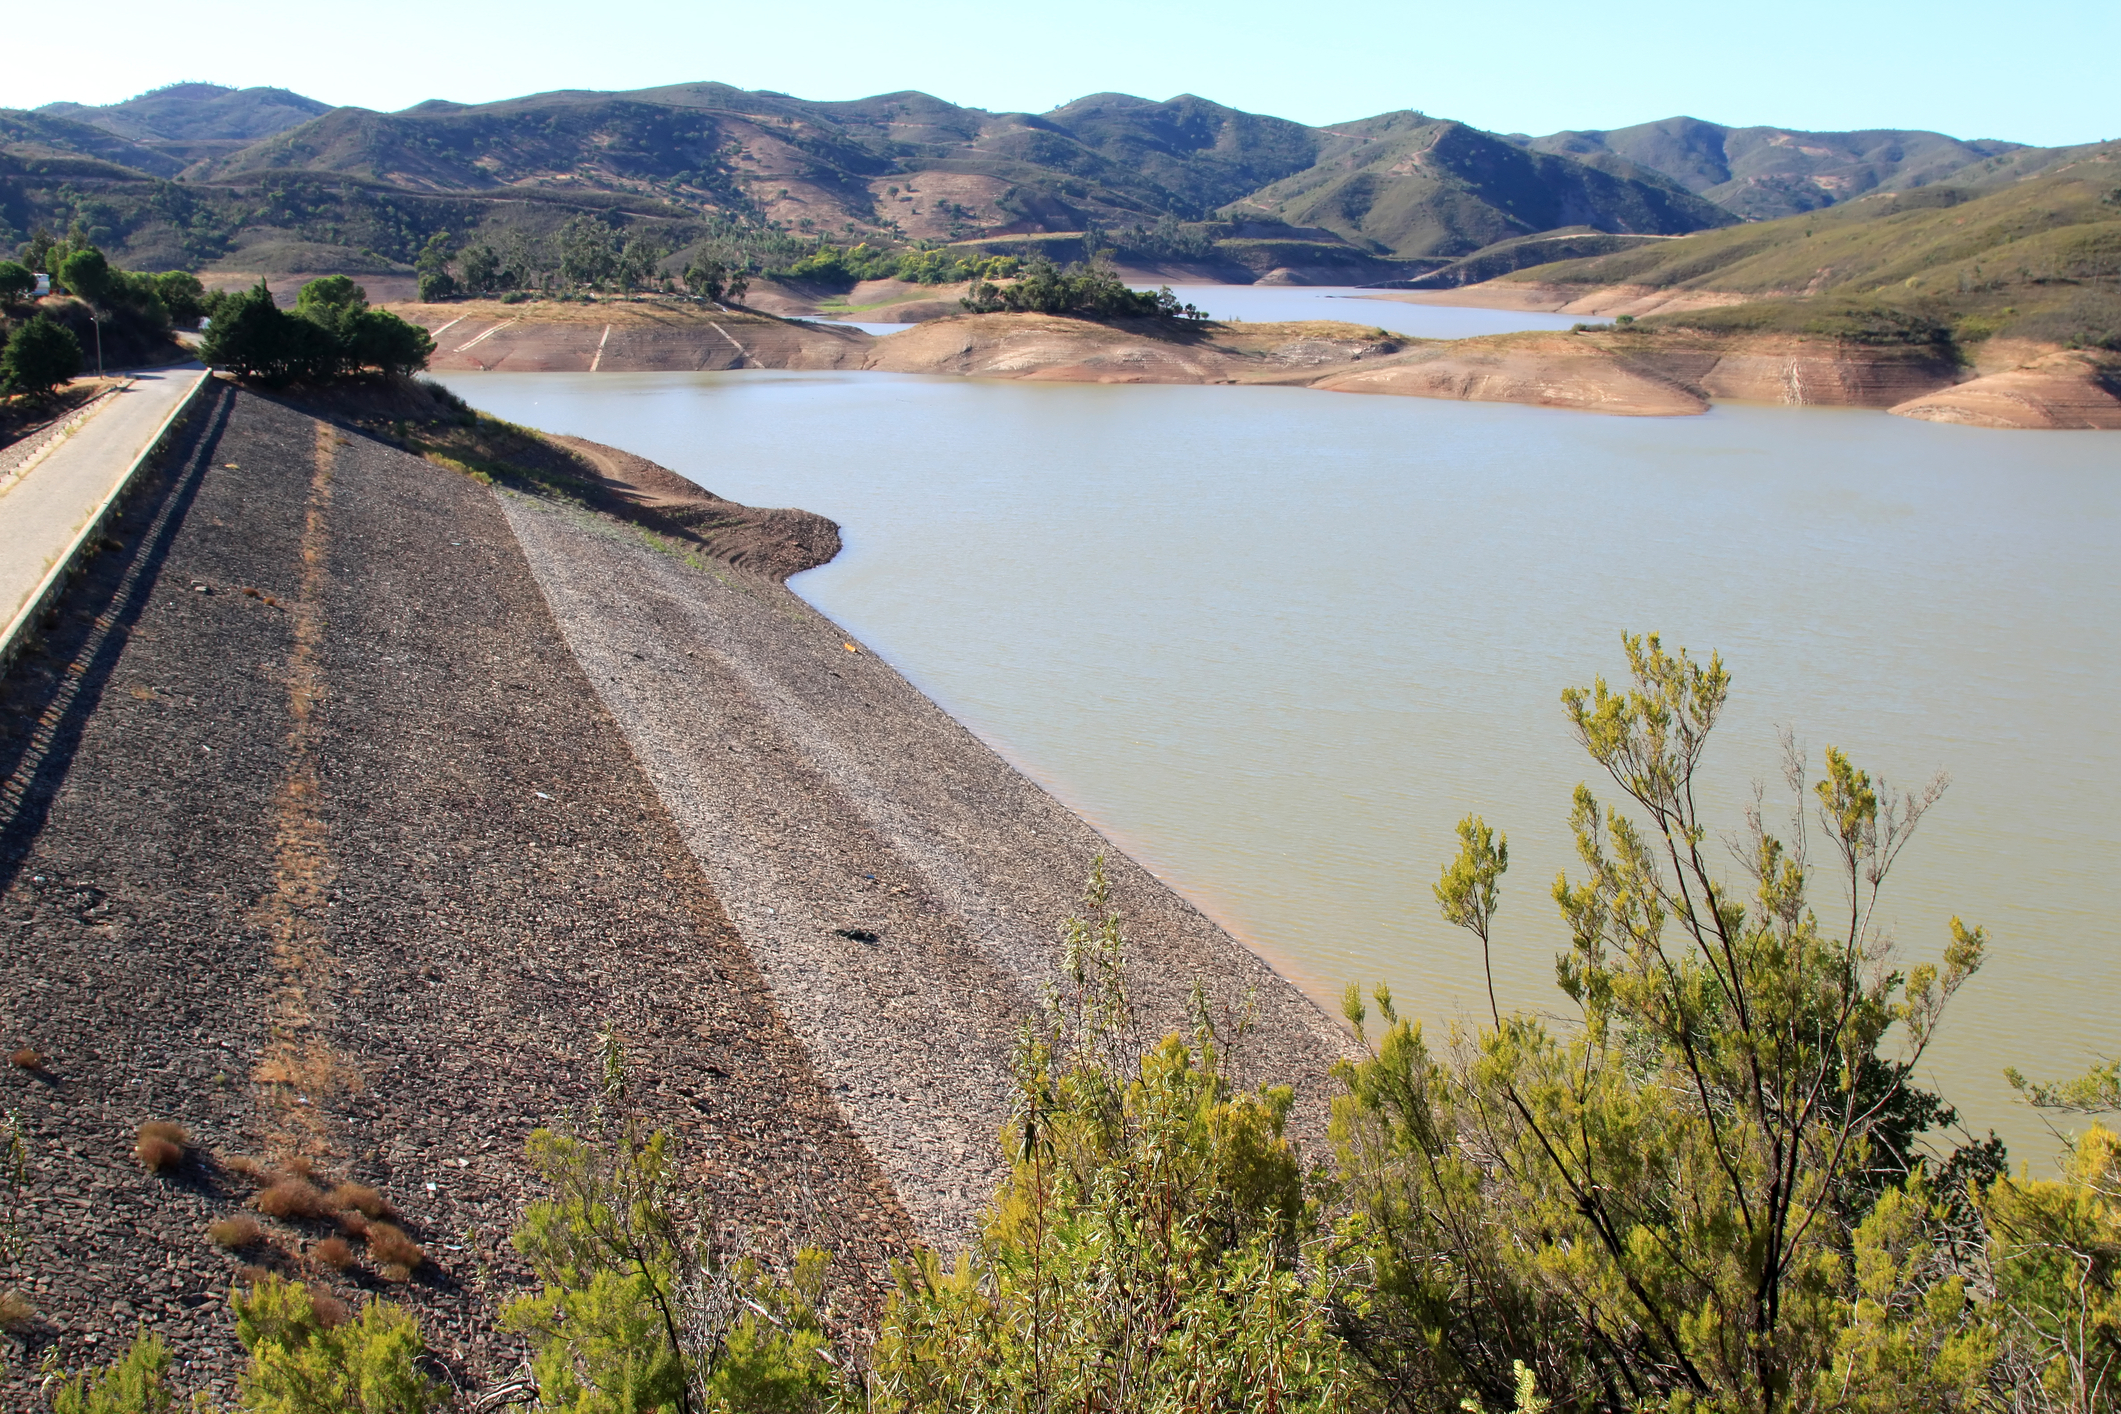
(331, 1311)
(252, 1274)
(360, 1198)
(388, 1247)
(28, 1058)
(292, 1198)
(333, 1252)
(236, 1233)
(395, 1272)
(353, 1224)
(161, 1145)
(249, 1167)
(16, 1314)
(300, 1167)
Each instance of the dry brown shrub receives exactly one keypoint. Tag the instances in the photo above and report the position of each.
(388, 1246)
(330, 1310)
(28, 1058)
(247, 1166)
(353, 1225)
(160, 1145)
(395, 1272)
(291, 1198)
(360, 1198)
(16, 1313)
(234, 1233)
(333, 1252)
(300, 1167)
(251, 1274)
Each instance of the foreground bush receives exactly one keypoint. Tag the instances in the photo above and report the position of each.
(38, 357)
(1151, 1247)
(303, 1363)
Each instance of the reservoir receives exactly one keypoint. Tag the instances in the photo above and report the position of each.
(1275, 642)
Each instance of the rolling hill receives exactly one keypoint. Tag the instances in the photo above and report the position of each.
(1404, 184)
(1762, 173)
(2038, 256)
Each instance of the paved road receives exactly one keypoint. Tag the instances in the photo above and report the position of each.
(43, 511)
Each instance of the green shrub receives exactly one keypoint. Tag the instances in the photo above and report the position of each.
(638, 1311)
(1148, 1250)
(302, 1364)
(137, 1383)
(39, 356)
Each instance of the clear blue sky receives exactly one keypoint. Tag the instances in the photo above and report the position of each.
(2040, 72)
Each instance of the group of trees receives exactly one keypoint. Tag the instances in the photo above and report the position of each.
(1707, 1189)
(1092, 288)
(42, 351)
(840, 267)
(588, 253)
(331, 334)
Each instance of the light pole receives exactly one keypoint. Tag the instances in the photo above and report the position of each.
(95, 317)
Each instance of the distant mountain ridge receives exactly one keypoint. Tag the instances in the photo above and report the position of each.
(1762, 173)
(184, 112)
(270, 170)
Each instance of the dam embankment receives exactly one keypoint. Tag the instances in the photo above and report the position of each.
(349, 800)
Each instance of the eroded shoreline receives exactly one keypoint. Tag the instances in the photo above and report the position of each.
(1612, 370)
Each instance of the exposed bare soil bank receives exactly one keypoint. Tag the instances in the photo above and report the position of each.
(543, 336)
(1672, 372)
(1049, 348)
(1605, 300)
(2070, 389)
(1543, 370)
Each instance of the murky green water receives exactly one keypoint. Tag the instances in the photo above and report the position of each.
(1276, 642)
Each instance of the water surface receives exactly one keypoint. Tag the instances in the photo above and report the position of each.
(1267, 304)
(1261, 304)
(1276, 642)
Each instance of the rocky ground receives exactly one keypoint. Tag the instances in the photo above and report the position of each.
(316, 840)
(899, 884)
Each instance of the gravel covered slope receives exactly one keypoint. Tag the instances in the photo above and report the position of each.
(899, 884)
(351, 869)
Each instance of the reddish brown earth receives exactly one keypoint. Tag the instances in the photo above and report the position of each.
(1605, 300)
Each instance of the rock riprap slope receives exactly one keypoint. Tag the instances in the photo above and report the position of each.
(316, 840)
(898, 882)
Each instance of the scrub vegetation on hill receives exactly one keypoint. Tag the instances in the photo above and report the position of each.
(2037, 259)
(1703, 1178)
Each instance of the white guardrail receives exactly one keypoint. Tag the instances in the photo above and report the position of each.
(54, 581)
